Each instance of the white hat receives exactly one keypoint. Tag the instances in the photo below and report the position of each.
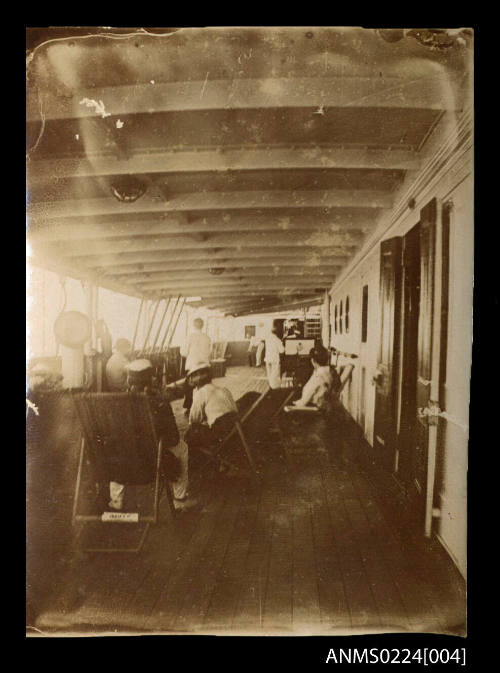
(197, 367)
(139, 365)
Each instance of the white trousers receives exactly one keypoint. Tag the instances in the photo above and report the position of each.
(179, 486)
(273, 374)
(258, 353)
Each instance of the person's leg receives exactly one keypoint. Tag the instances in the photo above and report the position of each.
(180, 485)
(116, 494)
(274, 375)
(188, 398)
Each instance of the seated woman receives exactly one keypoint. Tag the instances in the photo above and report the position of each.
(316, 392)
(213, 412)
(175, 461)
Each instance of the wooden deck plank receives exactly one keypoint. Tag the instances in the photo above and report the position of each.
(334, 608)
(249, 608)
(277, 612)
(167, 602)
(204, 573)
(220, 612)
(310, 549)
(306, 608)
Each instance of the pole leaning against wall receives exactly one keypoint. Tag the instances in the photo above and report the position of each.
(169, 322)
(152, 348)
(150, 326)
(181, 307)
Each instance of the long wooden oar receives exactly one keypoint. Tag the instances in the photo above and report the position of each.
(151, 350)
(169, 324)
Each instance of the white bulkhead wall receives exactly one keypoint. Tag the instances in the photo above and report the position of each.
(455, 184)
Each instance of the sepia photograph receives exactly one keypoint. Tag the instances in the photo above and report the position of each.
(249, 294)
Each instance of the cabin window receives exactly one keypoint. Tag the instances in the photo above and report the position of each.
(341, 316)
(336, 318)
(364, 315)
(249, 331)
(347, 314)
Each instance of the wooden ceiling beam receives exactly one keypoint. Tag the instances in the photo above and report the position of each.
(80, 230)
(277, 308)
(260, 284)
(424, 92)
(219, 160)
(254, 302)
(309, 255)
(192, 201)
(340, 243)
(199, 288)
(154, 270)
(270, 271)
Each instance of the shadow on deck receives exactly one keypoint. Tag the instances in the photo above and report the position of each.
(312, 549)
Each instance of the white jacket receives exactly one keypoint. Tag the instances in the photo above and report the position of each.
(274, 347)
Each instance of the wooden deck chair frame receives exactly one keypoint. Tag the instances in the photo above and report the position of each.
(273, 421)
(345, 376)
(239, 429)
(215, 456)
(135, 401)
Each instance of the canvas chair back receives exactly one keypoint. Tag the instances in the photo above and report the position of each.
(120, 435)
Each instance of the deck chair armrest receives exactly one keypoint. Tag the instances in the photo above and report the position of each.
(291, 408)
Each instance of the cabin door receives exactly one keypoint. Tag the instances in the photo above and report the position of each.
(421, 371)
(385, 425)
(406, 464)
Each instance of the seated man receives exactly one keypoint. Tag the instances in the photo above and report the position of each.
(139, 378)
(116, 366)
(316, 392)
(213, 411)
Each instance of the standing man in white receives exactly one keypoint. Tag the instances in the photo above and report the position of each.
(198, 349)
(274, 348)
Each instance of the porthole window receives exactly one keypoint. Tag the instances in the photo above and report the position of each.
(336, 312)
(347, 314)
(341, 317)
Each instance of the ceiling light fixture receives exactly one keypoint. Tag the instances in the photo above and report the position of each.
(127, 188)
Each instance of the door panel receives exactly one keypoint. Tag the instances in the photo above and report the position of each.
(386, 381)
(411, 310)
(428, 217)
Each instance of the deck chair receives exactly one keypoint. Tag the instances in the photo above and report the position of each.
(345, 375)
(222, 452)
(253, 420)
(262, 418)
(119, 443)
(218, 359)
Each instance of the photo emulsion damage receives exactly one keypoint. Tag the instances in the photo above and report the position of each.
(249, 312)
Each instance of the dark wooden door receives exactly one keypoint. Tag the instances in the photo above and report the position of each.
(385, 426)
(411, 311)
(415, 436)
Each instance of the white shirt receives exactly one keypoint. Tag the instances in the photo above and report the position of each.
(116, 372)
(316, 389)
(274, 347)
(198, 349)
(210, 403)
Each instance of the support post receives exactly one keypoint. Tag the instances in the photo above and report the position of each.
(137, 324)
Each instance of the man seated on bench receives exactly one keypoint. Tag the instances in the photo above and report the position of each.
(213, 412)
(140, 379)
(316, 392)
